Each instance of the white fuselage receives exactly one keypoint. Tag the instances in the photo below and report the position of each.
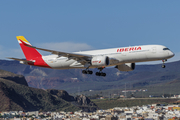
(131, 54)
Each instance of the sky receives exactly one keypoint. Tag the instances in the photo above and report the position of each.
(77, 25)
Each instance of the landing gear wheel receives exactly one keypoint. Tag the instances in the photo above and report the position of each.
(87, 72)
(163, 66)
(90, 72)
(103, 74)
(84, 72)
(98, 74)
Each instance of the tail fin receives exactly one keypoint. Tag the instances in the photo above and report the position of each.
(30, 53)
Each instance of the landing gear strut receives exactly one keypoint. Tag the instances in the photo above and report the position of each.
(100, 73)
(163, 66)
(87, 71)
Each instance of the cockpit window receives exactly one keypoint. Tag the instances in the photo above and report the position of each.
(165, 48)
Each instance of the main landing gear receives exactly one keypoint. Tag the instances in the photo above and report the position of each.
(163, 66)
(87, 72)
(100, 73)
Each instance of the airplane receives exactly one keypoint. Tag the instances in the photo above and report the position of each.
(123, 58)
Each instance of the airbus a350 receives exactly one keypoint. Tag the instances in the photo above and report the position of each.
(123, 58)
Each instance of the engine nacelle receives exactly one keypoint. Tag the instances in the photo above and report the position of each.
(126, 67)
(100, 61)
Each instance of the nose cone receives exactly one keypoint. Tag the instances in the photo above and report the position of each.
(171, 54)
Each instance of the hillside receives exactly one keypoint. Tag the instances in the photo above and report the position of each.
(15, 96)
(13, 77)
(72, 80)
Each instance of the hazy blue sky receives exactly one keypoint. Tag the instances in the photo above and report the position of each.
(73, 25)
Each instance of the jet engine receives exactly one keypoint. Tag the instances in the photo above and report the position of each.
(126, 67)
(100, 61)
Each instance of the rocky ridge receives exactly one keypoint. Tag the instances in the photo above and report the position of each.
(15, 95)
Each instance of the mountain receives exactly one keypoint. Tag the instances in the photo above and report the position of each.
(72, 80)
(13, 77)
(15, 95)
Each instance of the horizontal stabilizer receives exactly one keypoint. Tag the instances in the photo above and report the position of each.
(27, 61)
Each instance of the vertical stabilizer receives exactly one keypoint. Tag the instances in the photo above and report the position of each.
(30, 53)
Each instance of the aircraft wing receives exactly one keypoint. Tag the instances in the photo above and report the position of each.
(114, 61)
(64, 54)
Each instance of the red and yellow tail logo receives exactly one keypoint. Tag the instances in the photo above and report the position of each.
(30, 53)
(22, 38)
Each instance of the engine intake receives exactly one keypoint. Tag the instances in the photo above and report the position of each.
(100, 61)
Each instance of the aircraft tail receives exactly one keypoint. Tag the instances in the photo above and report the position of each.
(30, 53)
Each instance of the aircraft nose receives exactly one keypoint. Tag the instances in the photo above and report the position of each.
(171, 54)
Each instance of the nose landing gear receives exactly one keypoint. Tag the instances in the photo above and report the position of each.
(163, 66)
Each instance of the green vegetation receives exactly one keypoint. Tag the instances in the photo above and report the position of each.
(167, 89)
(108, 104)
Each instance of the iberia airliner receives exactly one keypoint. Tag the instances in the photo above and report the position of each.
(123, 58)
